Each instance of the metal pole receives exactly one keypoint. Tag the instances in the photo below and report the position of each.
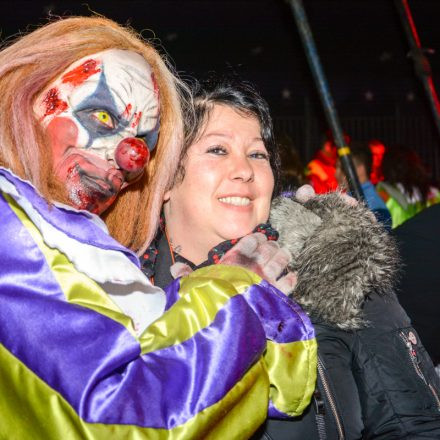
(417, 53)
(326, 98)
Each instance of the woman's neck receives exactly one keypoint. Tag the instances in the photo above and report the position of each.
(190, 251)
(187, 239)
(188, 245)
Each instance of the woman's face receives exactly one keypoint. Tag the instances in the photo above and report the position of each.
(102, 118)
(228, 182)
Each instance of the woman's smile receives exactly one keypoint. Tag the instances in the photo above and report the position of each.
(227, 186)
(235, 201)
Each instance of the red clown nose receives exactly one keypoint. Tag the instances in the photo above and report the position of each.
(132, 154)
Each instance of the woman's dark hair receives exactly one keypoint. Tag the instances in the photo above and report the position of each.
(242, 97)
(403, 165)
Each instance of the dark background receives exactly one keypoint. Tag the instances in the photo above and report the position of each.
(361, 44)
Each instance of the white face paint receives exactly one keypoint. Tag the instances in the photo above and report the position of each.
(102, 118)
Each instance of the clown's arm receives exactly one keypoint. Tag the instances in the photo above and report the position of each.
(75, 365)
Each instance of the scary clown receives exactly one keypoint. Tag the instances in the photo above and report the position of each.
(102, 119)
(90, 126)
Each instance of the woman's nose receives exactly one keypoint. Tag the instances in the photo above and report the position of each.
(242, 169)
(132, 154)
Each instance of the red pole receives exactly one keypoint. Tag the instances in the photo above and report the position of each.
(421, 63)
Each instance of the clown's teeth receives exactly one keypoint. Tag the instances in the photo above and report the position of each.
(236, 201)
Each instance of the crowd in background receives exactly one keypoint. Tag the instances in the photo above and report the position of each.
(401, 192)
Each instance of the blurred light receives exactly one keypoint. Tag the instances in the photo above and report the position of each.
(368, 95)
(385, 56)
(256, 50)
(286, 93)
(171, 37)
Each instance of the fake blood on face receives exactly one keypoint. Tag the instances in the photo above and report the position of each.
(54, 105)
(90, 200)
(79, 74)
(137, 118)
(126, 113)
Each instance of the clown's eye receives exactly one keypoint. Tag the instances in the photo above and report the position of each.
(99, 121)
(104, 118)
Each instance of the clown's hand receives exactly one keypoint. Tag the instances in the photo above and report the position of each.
(179, 269)
(254, 252)
(265, 258)
(306, 192)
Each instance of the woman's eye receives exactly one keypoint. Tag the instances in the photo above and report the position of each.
(217, 150)
(259, 155)
(104, 118)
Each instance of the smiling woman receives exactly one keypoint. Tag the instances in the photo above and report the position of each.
(222, 192)
(227, 187)
(227, 174)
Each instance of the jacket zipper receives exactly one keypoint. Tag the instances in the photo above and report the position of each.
(330, 399)
(413, 358)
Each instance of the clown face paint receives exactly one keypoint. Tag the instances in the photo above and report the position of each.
(102, 118)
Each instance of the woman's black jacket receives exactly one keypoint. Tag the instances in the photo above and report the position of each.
(373, 383)
(375, 379)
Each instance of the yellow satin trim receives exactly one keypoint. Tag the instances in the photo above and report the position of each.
(77, 287)
(292, 372)
(202, 294)
(239, 277)
(30, 409)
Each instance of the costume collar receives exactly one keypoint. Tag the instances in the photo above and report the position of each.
(79, 225)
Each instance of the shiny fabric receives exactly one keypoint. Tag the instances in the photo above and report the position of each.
(75, 224)
(74, 366)
(283, 320)
(39, 413)
(292, 381)
(121, 285)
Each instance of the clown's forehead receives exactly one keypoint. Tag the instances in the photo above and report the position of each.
(114, 78)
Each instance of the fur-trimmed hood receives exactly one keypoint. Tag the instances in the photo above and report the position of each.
(341, 255)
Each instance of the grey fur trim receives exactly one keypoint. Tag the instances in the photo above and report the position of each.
(341, 253)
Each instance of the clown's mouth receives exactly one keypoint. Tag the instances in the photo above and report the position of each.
(92, 172)
(91, 186)
(105, 186)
